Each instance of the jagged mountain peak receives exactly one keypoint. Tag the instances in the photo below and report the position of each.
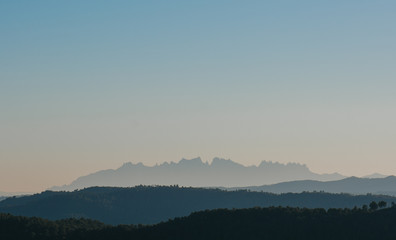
(265, 163)
(129, 165)
(217, 161)
(221, 162)
(193, 161)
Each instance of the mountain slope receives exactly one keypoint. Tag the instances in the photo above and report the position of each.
(351, 185)
(194, 172)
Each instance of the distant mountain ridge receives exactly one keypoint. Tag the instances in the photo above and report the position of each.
(196, 173)
(375, 175)
(352, 185)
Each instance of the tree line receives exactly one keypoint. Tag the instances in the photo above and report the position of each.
(153, 204)
(361, 223)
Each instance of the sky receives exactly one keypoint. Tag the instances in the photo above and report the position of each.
(90, 85)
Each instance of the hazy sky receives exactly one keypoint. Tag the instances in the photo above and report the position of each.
(89, 85)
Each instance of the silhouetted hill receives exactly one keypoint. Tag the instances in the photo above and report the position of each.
(149, 205)
(25, 228)
(249, 224)
(351, 185)
(194, 172)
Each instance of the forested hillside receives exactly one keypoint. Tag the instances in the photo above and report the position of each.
(254, 223)
(149, 205)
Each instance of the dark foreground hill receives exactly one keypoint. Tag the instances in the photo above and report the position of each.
(248, 224)
(148, 205)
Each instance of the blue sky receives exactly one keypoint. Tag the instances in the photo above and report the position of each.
(88, 85)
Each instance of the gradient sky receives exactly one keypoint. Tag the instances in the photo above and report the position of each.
(89, 85)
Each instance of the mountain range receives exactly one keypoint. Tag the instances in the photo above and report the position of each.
(196, 173)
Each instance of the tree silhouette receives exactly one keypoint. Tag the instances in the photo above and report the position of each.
(364, 207)
(381, 204)
(373, 206)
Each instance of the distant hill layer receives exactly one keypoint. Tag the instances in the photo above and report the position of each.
(273, 223)
(195, 173)
(351, 185)
(4, 195)
(149, 205)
